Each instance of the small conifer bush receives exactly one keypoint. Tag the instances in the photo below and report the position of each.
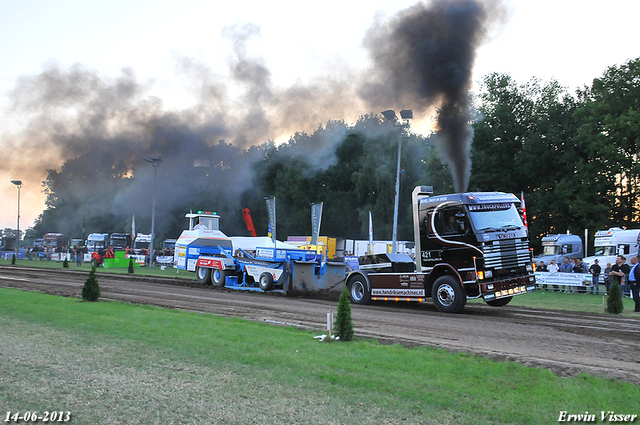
(91, 289)
(130, 269)
(344, 324)
(614, 302)
(13, 259)
(65, 263)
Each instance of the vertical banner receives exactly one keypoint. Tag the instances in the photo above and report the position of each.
(524, 210)
(316, 219)
(370, 234)
(133, 229)
(271, 210)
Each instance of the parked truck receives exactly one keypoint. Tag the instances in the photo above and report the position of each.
(142, 242)
(97, 241)
(54, 240)
(608, 244)
(468, 245)
(120, 241)
(556, 247)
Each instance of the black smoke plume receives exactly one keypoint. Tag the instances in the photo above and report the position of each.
(423, 58)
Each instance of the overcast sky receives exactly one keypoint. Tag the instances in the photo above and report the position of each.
(570, 41)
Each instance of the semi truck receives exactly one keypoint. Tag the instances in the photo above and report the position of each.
(120, 241)
(97, 241)
(142, 242)
(556, 247)
(468, 245)
(610, 243)
(53, 240)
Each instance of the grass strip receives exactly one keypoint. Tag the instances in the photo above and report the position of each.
(113, 362)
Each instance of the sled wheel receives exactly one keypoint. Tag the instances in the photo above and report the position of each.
(266, 281)
(218, 277)
(203, 275)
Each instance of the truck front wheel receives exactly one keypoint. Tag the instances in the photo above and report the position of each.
(218, 277)
(500, 302)
(203, 275)
(359, 292)
(448, 295)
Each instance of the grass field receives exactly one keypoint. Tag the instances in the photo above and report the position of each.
(111, 362)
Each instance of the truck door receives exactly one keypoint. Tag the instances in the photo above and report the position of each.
(453, 224)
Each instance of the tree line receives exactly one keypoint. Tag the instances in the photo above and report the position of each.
(572, 155)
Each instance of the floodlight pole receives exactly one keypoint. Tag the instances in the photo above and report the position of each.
(154, 161)
(18, 184)
(390, 115)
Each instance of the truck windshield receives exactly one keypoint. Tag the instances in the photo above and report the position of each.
(495, 217)
(550, 250)
(605, 250)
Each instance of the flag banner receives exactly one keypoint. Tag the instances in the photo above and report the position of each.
(133, 227)
(524, 210)
(316, 219)
(271, 210)
(370, 234)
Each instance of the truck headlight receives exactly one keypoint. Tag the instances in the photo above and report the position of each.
(490, 287)
(529, 268)
(488, 274)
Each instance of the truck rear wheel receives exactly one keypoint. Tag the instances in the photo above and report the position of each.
(203, 275)
(359, 292)
(448, 295)
(218, 277)
(266, 281)
(500, 302)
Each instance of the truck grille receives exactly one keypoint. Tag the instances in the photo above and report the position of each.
(505, 254)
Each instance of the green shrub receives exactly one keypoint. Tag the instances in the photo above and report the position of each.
(65, 263)
(614, 302)
(130, 269)
(13, 259)
(344, 324)
(91, 289)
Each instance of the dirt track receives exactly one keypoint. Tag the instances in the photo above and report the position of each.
(565, 342)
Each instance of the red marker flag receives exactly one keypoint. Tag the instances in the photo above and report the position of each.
(524, 210)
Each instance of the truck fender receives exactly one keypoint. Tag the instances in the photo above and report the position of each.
(218, 263)
(439, 270)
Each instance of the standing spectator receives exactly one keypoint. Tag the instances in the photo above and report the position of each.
(574, 262)
(580, 267)
(542, 267)
(619, 271)
(634, 282)
(553, 269)
(607, 278)
(79, 254)
(595, 271)
(565, 267)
